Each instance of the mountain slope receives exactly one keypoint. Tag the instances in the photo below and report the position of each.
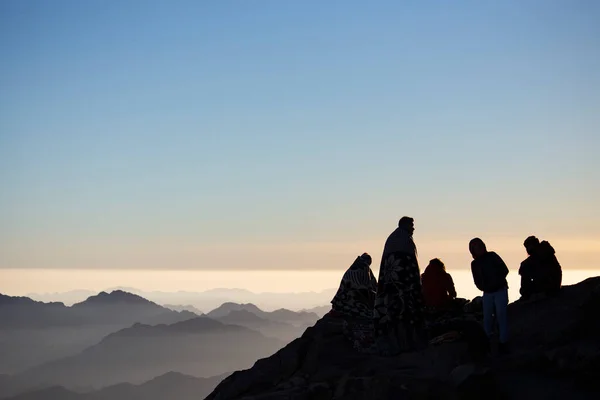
(269, 328)
(555, 354)
(320, 310)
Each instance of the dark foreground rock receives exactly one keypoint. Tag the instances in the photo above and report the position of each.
(554, 354)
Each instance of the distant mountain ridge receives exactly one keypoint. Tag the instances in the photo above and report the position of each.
(225, 308)
(320, 310)
(186, 307)
(117, 307)
(171, 385)
(209, 299)
(114, 297)
(297, 318)
(33, 332)
(267, 327)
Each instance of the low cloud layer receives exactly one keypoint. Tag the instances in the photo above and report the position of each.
(186, 254)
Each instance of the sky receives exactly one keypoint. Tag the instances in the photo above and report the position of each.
(291, 136)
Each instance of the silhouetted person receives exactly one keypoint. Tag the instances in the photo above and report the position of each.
(531, 269)
(551, 268)
(354, 300)
(356, 294)
(438, 286)
(489, 273)
(398, 313)
(540, 271)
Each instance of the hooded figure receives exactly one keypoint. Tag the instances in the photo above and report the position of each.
(356, 294)
(398, 313)
(531, 268)
(552, 278)
(354, 303)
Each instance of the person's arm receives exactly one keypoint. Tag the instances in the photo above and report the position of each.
(476, 276)
(502, 265)
(451, 289)
(525, 286)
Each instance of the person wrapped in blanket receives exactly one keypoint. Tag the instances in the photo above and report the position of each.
(354, 302)
(398, 314)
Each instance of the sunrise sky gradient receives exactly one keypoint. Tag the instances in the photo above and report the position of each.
(280, 135)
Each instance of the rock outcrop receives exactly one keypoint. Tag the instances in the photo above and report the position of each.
(554, 354)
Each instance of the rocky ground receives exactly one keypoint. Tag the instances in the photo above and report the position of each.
(555, 354)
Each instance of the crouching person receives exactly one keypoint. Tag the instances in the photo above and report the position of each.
(354, 302)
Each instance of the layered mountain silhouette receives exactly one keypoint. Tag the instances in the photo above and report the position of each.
(554, 354)
(187, 307)
(117, 307)
(123, 307)
(198, 347)
(209, 299)
(68, 298)
(269, 328)
(23, 312)
(297, 318)
(225, 308)
(33, 332)
(122, 337)
(171, 385)
(320, 310)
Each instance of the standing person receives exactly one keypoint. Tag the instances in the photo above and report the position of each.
(398, 313)
(489, 273)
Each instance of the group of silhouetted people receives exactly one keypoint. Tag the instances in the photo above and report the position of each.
(387, 316)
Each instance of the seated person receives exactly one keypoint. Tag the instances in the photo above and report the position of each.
(356, 294)
(354, 302)
(438, 287)
(530, 269)
(552, 271)
(540, 272)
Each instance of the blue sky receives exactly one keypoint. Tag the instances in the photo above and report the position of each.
(146, 130)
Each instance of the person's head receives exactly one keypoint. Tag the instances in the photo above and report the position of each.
(437, 263)
(366, 258)
(408, 224)
(531, 244)
(477, 247)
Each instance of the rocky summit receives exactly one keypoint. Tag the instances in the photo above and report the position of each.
(554, 354)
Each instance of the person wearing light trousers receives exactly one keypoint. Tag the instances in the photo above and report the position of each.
(489, 274)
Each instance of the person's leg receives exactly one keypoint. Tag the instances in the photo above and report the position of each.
(501, 303)
(488, 310)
